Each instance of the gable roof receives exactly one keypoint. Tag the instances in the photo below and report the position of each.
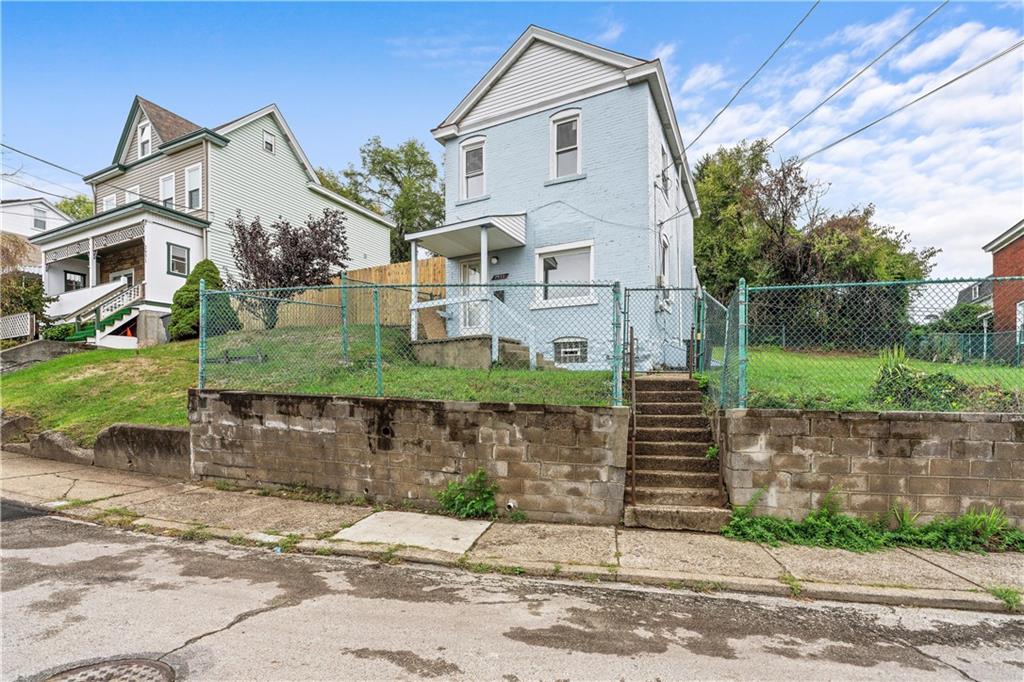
(166, 124)
(1006, 238)
(633, 70)
(35, 200)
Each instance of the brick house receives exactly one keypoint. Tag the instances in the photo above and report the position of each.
(1008, 297)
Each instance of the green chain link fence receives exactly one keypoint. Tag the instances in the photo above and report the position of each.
(552, 343)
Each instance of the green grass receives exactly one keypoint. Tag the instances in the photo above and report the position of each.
(1009, 596)
(83, 393)
(779, 378)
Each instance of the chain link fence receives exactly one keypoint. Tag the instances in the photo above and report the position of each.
(948, 345)
(551, 343)
(718, 347)
(663, 321)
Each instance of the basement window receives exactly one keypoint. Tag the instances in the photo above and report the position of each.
(570, 350)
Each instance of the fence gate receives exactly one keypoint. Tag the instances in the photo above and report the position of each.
(664, 326)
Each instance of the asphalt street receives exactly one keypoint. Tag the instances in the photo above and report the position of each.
(74, 594)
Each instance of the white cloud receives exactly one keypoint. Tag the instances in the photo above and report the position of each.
(704, 77)
(869, 36)
(610, 29)
(940, 48)
(456, 50)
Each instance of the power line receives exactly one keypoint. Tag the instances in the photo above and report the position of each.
(754, 75)
(34, 189)
(21, 171)
(859, 73)
(915, 100)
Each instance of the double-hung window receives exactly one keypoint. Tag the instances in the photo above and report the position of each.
(39, 218)
(131, 194)
(473, 180)
(194, 186)
(559, 267)
(145, 140)
(269, 142)
(565, 144)
(109, 202)
(73, 280)
(167, 190)
(177, 260)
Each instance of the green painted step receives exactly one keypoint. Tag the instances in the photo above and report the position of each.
(89, 330)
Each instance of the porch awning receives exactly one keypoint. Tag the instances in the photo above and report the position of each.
(463, 238)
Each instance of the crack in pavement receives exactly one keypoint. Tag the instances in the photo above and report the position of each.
(244, 616)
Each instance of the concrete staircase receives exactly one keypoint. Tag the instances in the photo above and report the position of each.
(677, 487)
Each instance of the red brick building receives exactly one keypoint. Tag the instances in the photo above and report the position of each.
(1008, 297)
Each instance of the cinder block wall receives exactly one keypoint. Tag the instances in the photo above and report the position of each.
(937, 463)
(557, 463)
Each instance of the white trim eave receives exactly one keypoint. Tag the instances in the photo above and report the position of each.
(272, 110)
(351, 205)
(653, 73)
(531, 34)
(1006, 238)
(461, 225)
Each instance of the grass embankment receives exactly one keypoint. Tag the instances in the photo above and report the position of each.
(82, 393)
(779, 378)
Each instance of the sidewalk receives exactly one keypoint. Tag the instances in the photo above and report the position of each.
(671, 559)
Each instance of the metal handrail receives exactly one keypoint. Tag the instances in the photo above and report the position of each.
(632, 417)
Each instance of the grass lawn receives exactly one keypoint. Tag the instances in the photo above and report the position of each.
(845, 380)
(82, 393)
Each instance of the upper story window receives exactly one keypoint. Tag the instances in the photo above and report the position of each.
(663, 257)
(664, 171)
(131, 194)
(167, 190)
(473, 180)
(109, 202)
(145, 139)
(39, 218)
(194, 186)
(565, 144)
(974, 292)
(177, 260)
(269, 142)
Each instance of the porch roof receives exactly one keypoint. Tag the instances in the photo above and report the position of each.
(455, 240)
(128, 210)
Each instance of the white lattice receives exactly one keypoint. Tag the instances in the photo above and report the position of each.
(122, 299)
(16, 326)
(68, 250)
(125, 234)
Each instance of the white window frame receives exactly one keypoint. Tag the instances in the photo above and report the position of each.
(465, 146)
(112, 199)
(170, 259)
(556, 119)
(975, 290)
(539, 254)
(128, 272)
(163, 197)
(267, 135)
(148, 137)
(197, 167)
(38, 214)
(132, 194)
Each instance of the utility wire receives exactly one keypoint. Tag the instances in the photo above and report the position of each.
(916, 100)
(754, 75)
(859, 73)
(9, 173)
(34, 189)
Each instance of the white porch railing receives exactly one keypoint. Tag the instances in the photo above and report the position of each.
(121, 299)
(17, 325)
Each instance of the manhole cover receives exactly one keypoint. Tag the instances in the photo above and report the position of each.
(120, 670)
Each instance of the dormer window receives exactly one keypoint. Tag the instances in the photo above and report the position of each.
(565, 144)
(975, 290)
(473, 180)
(269, 142)
(145, 140)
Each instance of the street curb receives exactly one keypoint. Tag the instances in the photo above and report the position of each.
(702, 584)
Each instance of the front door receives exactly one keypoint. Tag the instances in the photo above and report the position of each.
(474, 315)
(127, 274)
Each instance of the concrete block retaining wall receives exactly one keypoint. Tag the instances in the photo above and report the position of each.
(937, 463)
(557, 463)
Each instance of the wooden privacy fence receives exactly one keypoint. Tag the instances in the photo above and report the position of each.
(323, 305)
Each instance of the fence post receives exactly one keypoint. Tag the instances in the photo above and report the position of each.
(376, 341)
(616, 345)
(741, 399)
(490, 323)
(344, 317)
(202, 333)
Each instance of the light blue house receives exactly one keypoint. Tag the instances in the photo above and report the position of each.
(565, 163)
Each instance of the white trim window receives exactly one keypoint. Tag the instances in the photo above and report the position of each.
(975, 292)
(194, 186)
(269, 142)
(566, 157)
(167, 190)
(39, 218)
(145, 136)
(132, 194)
(474, 181)
(108, 203)
(562, 265)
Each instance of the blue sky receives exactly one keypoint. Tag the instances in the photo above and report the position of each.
(948, 171)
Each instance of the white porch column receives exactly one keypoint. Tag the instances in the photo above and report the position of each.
(485, 280)
(414, 318)
(92, 264)
(485, 259)
(46, 274)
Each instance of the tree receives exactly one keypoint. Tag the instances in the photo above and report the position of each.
(286, 256)
(221, 318)
(14, 251)
(78, 207)
(400, 182)
(21, 292)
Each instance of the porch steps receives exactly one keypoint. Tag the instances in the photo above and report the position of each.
(88, 331)
(677, 487)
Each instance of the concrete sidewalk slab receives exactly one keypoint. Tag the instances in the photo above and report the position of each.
(887, 568)
(28, 466)
(417, 530)
(44, 487)
(986, 570)
(146, 495)
(694, 553)
(547, 542)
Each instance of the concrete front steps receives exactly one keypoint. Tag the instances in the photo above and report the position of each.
(677, 487)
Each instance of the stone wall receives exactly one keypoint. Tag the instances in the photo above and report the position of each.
(132, 256)
(937, 463)
(160, 450)
(554, 463)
